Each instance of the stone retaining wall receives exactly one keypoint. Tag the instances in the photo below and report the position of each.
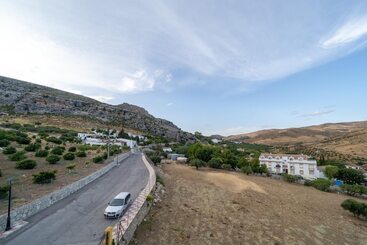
(44, 202)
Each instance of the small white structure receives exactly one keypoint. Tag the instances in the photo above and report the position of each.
(182, 159)
(291, 164)
(356, 167)
(216, 141)
(167, 149)
(98, 139)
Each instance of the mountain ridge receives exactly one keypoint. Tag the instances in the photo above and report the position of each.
(21, 97)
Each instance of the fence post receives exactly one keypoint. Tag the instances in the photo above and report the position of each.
(108, 235)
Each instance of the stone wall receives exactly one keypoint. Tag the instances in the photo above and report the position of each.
(44, 202)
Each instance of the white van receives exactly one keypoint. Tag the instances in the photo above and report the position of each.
(118, 205)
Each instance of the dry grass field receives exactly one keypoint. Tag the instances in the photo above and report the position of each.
(219, 207)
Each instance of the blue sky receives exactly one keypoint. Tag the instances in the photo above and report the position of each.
(210, 66)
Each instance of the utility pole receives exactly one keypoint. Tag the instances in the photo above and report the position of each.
(108, 144)
(8, 219)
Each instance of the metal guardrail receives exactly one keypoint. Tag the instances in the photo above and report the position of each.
(125, 221)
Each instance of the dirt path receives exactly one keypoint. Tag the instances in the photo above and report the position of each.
(219, 207)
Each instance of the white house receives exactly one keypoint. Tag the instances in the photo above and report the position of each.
(216, 141)
(291, 164)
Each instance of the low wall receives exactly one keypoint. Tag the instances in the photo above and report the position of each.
(124, 230)
(46, 201)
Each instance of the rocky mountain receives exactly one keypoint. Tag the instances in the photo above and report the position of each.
(21, 97)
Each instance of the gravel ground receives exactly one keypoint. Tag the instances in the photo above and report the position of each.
(219, 207)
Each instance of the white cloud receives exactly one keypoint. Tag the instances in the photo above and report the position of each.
(351, 31)
(101, 98)
(169, 104)
(316, 113)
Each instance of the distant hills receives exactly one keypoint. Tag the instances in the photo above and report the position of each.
(24, 98)
(345, 141)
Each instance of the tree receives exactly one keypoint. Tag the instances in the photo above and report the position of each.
(229, 158)
(197, 163)
(246, 170)
(350, 176)
(321, 184)
(215, 162)
(331, 171)
(357, 208)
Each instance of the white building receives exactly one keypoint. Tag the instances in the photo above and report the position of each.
(291, 164)
(167, 149)
(216, 141)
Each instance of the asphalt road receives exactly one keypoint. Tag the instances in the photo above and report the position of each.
(78, 219)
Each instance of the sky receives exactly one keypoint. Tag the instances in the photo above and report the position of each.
(217, 67)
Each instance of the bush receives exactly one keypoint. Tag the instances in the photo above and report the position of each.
(53, 159)
(4, 191)
(321, 184)
(54, 140)
(355, 207)
(308, 182)
(44, 177)
(350, 176)
(105, 155)
(331, 171)
(290, 178)
(72, 149)
(69, 156)
(98, 159)
(354, 189)
(246, 170)
(18, 156)
(32, 147)
(150, 198)
(26, 164)
(58, 150)
(71, 167)
(197, 163)
(9, 150)
(155, 159)
(215, 162)
(22, 140)
(41, 153)
(226, 166)
(4, 142)
(81, 154)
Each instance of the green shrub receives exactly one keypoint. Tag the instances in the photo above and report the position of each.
(53, 159)
(246, 170)
(69, 156)
(155, 159)
(354, 189)
(104, 155)
(150, 198)
(72, 149)
(39, 141)
(4, 189)
(18, 156)
(59, 150)
(70, 167)
(321, 184)
(9, 150)
(81, 154)
(47, 147)
(355, 207)
(32, 147)
(4, 142)
(98, 159)
(215, 162)
(308, 182)
(41, 153)
(290, 178)
(54, 140)
(44, 177)
(197, 163)
(43, 135)
(226, 166)
(350, 176)
(22, 140)
(160, 179)
(26, 164)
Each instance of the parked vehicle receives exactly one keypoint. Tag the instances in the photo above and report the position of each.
(118, 205)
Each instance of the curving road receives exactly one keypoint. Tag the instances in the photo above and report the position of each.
(78, 219)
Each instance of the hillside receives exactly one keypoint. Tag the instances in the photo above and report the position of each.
(344, 141)
(24, 98)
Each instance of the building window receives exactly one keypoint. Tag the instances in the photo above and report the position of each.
(311, 170)
(292, 170)
(301, 172)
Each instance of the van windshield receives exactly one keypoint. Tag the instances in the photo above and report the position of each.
(117, 202)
